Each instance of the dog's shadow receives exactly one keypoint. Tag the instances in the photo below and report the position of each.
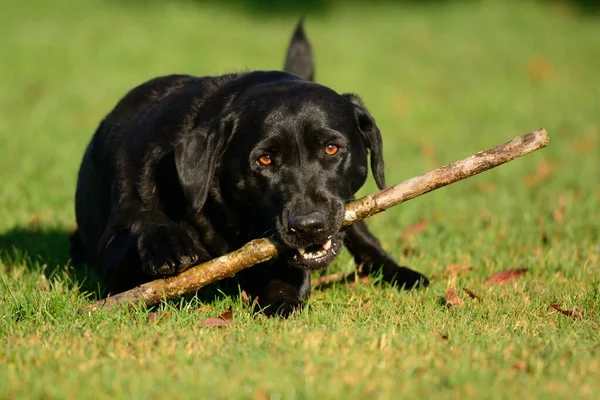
(47, 250)
(35, 246)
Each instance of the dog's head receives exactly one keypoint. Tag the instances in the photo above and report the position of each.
(289, 155)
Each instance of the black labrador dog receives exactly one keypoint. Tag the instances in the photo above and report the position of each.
(185, 169)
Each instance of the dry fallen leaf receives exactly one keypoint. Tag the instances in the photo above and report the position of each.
(152, 317)
(261, 394)
(155, 318)
(505, 276)
(227, 315)
(218, 322)
(569, 313)
(520, 365)
(539, 69)
(452, 299)
(455, 269)
(471, 294)
(542, 173)
(34, 219)
(414, 229)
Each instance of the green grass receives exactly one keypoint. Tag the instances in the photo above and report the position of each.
(443, 81)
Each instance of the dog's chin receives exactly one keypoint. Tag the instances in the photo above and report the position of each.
(316, 256)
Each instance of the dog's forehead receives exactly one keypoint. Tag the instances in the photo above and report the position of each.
(296, 103)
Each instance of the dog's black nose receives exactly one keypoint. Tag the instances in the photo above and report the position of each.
(307, 223)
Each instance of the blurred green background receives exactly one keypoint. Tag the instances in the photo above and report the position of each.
(444, 79)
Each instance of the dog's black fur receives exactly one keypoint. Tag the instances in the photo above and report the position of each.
(172, 177)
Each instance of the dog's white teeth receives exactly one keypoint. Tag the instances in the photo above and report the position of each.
(311, 255)
(329, 237)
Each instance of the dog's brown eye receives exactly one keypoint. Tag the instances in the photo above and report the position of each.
(265, 159)
(331, 149)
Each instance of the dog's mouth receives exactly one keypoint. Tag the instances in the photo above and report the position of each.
(318, 256)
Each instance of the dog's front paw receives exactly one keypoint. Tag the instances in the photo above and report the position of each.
(278, 308)
(394, 274)
(167, 249)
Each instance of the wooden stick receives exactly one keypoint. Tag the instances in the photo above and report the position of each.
(261, 250)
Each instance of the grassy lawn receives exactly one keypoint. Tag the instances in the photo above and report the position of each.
(443, 81)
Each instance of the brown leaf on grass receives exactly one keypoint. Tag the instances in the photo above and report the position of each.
(542, 173)
(34, 219)
(156, 318)
(414, 229)
(539, 69)
(520, 365)
(215, 322)
(472, 295)
(501, 277)
(569, 313)
(452, 299)
(261, 394)
(443, 336)
(227, 315)
(455, 269)
(152, 317)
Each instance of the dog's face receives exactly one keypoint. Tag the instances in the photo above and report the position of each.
(298, 153)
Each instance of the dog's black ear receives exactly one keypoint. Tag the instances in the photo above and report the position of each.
(197, 155)
(299, 59)
(371, 137)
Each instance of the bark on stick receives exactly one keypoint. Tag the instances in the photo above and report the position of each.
(260, 250)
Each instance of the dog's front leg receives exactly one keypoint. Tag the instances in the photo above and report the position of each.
(138, 246)
(367, 252)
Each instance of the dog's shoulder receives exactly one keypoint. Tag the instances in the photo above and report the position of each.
(156, 90)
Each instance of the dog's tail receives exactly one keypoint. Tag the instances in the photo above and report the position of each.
(299, 59)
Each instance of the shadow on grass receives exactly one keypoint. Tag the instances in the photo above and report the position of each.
(36, 245)
(262, 8)
(47, 250)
